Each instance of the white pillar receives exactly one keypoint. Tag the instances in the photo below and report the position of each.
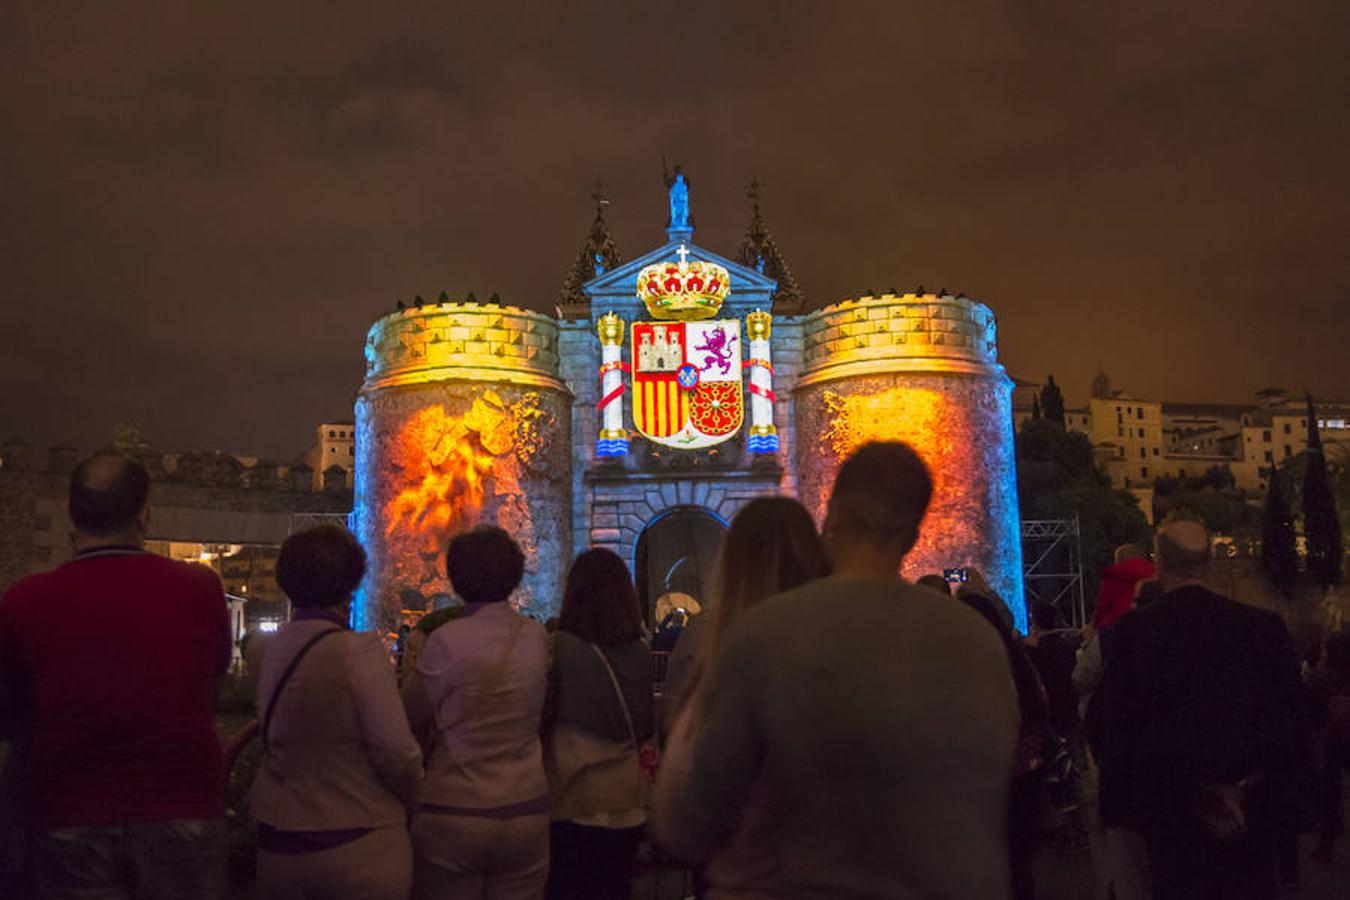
(763, 434)
(613, 440)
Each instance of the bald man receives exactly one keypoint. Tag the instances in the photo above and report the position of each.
(109, 664)
(1199, 730)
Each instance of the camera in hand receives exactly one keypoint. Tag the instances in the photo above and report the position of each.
(956, 576)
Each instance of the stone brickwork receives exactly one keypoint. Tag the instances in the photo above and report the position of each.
(420, 340)
(463, 419)
(579, 346)
(922, 327)
(620, 509)
(867, 378)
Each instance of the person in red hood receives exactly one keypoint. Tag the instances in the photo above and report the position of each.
(1116, 596)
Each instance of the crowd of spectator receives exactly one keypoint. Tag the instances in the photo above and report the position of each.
(825, 729)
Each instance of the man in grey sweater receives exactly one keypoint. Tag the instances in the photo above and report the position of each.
(859, 737)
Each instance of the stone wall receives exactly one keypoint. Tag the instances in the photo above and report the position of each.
(463, 419)
(922, 370)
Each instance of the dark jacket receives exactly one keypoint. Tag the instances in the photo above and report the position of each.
(1198, 690)
(580, 691)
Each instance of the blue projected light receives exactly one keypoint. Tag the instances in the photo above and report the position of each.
(763, 443)
(611, 447)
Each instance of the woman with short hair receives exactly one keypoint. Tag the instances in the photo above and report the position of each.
(476, 692)
(340, 768)
(598, 716)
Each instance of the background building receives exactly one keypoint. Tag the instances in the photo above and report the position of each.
(209, 508)
(334, 445)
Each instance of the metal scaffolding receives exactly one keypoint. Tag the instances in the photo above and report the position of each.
(301, 521)
(1052, 567)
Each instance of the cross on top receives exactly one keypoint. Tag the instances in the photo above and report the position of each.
(600, 195)
(683, 254)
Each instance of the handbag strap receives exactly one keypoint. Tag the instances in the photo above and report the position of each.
(618, 691)
(286, 676)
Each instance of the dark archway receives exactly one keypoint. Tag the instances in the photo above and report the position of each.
(676, 552)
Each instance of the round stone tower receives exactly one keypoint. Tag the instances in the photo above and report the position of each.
(921, 369)
(462, 420)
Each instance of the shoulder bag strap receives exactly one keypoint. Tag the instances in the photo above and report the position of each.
(286, 676)
(623, 702)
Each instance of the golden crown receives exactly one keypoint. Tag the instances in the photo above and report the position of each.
(683, 289)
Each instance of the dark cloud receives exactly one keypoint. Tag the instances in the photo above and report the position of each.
(204, 206)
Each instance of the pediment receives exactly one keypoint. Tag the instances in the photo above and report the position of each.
(622, 279)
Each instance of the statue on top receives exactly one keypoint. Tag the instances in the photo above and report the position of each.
(679, 196)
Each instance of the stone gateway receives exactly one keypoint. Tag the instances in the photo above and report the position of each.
(667, 392)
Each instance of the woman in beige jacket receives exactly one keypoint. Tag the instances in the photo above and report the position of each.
(341, 768)
(477, 692)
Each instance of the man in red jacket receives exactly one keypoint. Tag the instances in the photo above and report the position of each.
(109, 664)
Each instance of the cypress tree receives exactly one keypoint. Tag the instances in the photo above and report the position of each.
(1320, 525)
(1279, 553)
(1052, 402)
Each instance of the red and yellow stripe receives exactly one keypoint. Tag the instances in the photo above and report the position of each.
(660, 408)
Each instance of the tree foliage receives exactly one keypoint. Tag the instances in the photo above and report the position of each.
(1210, 496)
(1052, 401)
(1279, 552)
(1058, 479)
(1321, 527)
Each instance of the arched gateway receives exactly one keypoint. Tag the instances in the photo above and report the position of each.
(668, 391)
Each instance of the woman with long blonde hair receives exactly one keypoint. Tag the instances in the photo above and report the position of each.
(771, 547)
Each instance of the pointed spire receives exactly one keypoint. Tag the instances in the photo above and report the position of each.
(759, 251)
(597, 255)
(1101, 383)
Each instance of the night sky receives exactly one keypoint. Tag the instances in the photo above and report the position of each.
(203, 207)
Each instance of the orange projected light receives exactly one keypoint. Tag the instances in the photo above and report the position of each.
(444, 466)
(943, 433)
(446, 460)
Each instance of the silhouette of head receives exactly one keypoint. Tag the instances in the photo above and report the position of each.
(1182, 548)
(108, 495)
(320, 566)
(484, 564)
(879, 498)
(599, 603)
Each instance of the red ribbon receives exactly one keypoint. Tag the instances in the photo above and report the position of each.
(764, 392)
(767, 366)
(610, 397)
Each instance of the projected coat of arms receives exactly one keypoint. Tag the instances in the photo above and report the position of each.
(687, 381)
(688, 369)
